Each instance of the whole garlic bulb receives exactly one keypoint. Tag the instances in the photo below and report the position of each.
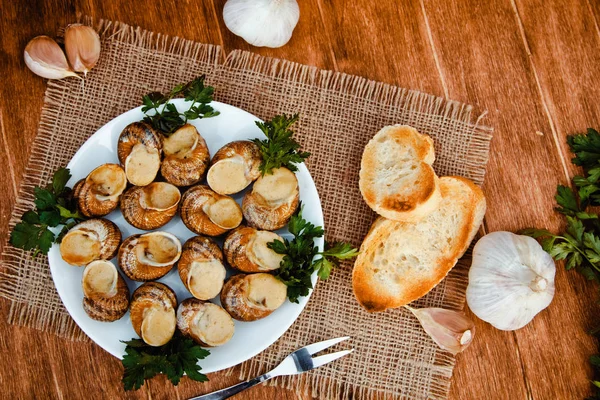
(510, 281)
(262, 23)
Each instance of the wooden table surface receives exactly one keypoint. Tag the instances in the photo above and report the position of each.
(533, 65)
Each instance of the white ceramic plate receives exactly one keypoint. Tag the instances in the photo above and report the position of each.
(250, 338)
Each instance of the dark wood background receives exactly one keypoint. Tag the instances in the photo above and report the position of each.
(533, 65)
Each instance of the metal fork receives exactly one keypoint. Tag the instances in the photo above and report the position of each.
(299, 361)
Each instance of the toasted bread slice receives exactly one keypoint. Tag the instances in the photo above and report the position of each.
(396, 177)
(400, 262)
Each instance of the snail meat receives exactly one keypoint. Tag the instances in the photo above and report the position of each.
(252, 297)
(201, 267)
(98, 194)
(206, 323)
(105, 293)
(234, 166)
(149, 256)
(139, 150)
(186, 157)
(272, 201)
(247, 250)
(94, 239)
(152, 312)
(150, 207)
(206, 212)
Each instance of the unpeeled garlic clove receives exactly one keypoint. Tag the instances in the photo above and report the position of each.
(452, 330)
(267, 23)
(44, 57)
(82, 45)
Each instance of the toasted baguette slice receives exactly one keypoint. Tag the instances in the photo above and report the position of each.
(396, 177)
(400, 262)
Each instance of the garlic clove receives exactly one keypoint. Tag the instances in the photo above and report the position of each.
(452, 330)
(510, 281)
(262, 23)
(44, 57)
(82, 45)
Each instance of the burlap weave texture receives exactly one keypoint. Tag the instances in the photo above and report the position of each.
(394, 358)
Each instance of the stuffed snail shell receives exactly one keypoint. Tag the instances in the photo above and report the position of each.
(252, 297)
(201, 267)
(272, 201)
(150, 207)
(94, 239)
(149, 256)
(98, 194)
(206, 323)
(105, 293)
(206, 212)
(247, 250)
(234, 166)
(139, 150)
(186, 157)
(152, 312)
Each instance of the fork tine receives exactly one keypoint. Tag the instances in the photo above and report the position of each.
(319, 346)
(327, 358)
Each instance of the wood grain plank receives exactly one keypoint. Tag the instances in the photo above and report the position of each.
(383, 40)
(565, 50)
(308, 45)
(496, 75)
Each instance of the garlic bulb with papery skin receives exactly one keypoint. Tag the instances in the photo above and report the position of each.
(44, 57)
(510, 281)
(82, 45)
(451, 330)
(262, 23)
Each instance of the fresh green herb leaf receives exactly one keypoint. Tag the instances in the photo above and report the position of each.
(54, 207)
(299, 262)
(180, 355)
(279, 149)
(579, 245)
(165, 117)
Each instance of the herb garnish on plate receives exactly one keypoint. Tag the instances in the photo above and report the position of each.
(298, 262)
(180, 355)
(579, 245)
(164, 116)
(54, 206)
(279, 149)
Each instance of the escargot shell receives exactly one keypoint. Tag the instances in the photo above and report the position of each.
(246, 249)
(272, 201)
(94, 239)
(105, 293)
(149, 256)
(201, 267)
(234, 166)
(139, 150)
(252, 297)
(152, 312)
(98, 194)
(150, 207)
(206, 212)
(206, 323)
(186, 157)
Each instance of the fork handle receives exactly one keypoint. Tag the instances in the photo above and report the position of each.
(232, 390)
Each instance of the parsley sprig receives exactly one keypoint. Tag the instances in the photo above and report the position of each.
(164, 116)
(54, 206)
(279, 149)
(180, 355)
(579, 244)
(298, 263)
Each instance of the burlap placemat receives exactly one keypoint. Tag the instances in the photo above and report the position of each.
(394, 358)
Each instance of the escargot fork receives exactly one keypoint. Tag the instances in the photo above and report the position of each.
(299, 361)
